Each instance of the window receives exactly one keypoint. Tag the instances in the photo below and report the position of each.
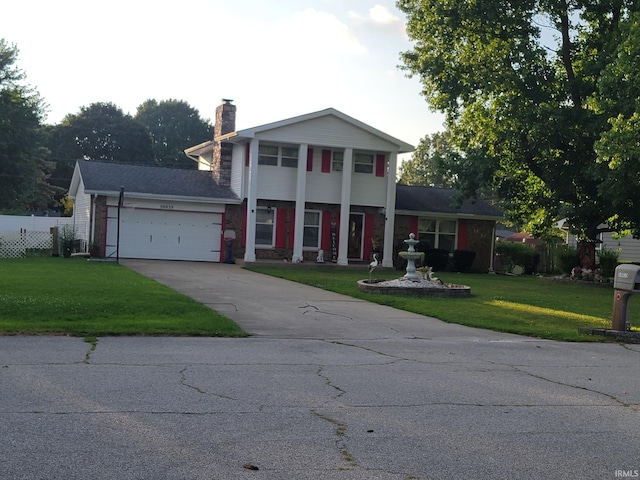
(311, 235)
(274, 156)
(289, 157)
(337, 160)
(363, 163)
(264, 226)
(438, 233)
(267, 155)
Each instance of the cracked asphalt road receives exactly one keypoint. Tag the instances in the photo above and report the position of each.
(327, 388)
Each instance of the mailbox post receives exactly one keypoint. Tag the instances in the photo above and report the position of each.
(625, 282)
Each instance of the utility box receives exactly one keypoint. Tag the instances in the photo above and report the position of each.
(626, 282)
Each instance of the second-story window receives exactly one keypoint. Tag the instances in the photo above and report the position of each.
(274, 155)
(337, 160)
(289, 157)
(267, 155)
(363, 162)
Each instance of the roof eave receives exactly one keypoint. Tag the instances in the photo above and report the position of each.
(152, 196)
(461, 215)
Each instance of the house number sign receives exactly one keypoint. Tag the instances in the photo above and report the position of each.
(165, 206)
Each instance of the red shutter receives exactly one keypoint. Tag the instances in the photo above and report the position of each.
(413, 226)
(281, 227)
(325, 241)
(369, 220)
(326, 161)
(246, 154)
(381, 164)
(462, 234)
(309, 159)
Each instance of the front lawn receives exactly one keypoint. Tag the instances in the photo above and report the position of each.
(76, 297)
(524, 305)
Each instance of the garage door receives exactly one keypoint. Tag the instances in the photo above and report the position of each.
(165, 234)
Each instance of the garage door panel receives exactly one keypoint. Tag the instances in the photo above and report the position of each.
(168, 235)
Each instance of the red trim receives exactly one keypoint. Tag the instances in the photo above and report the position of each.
(413, 226)
(281, 227)
(309, 159)
(369, 220)
(381, 164)
(462, 234)
(247, 154)
(326, 161)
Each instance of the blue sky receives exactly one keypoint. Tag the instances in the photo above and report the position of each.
(275, 59)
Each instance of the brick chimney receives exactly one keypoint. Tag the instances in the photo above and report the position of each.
(225, 123)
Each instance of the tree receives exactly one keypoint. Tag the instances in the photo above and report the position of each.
(101, 132)
(23, 171)
(522, 84)
(428, 164)
(174, 126)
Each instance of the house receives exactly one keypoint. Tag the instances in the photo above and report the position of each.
(281, 191)
(436, 219)
(320, 181)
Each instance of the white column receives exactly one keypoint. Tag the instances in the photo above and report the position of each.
(390, 212)
(345, 207)
(252, 202)
(301, 189)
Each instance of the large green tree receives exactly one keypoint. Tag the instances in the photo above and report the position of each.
(428, 166)
(527, 87)
(174, 125)
(101, 131)
(23, 171)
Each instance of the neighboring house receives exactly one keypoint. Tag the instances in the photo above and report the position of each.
(166, 213)
(431, 213)
(282, 191)
(320, 181)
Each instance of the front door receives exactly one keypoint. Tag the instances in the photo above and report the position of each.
(356, 222)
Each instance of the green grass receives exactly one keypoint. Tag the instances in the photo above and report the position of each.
(524, 305)
(75, 297)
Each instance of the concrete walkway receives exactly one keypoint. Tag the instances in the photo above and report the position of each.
(327, 388)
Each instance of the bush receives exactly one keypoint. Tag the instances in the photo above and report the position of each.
(67, 240)
(513, 253)
(567, 258)
(607, 262)
(463, 259)
(436, 258)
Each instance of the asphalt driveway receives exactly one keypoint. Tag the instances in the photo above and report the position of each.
(326, 388)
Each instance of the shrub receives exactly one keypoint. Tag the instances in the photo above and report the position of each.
(513, 253)
(607, 262)
(463, 259)
(67, 239)
(436, 258)
(566, 258)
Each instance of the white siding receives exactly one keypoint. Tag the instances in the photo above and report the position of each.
(328, 132)
(277, 183)
(13, 223)
(82, 213)
(237, 169)
(368, 190)
(628, 247)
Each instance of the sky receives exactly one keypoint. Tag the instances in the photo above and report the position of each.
(274, 58)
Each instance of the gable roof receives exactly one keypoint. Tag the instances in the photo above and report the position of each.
(441, 201)
(249, 133)
(102, 178)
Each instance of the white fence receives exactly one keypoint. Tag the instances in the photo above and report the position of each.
(17, 244)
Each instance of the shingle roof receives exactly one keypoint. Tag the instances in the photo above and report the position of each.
(440, 201)
(151, 180)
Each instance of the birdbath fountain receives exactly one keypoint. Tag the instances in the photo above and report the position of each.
(412, 283)
(411, 256)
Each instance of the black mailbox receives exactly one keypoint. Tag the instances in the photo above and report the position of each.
(625, 282)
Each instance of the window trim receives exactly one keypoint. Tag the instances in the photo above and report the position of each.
(273, 228)
(335, 161)
(437, 233)
(369, 165)
(318, 226)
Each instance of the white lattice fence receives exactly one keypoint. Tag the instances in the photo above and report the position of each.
(17, 244)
